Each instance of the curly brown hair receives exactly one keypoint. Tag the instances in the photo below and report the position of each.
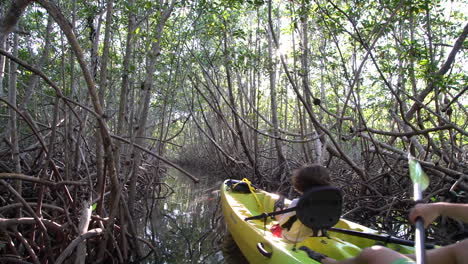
(309, 176)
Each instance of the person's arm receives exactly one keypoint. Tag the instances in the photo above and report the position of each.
(429, 212)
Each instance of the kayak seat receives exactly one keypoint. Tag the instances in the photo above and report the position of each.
(320, 208)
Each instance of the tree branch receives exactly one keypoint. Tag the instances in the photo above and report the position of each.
(445, 67)
(91, 233)
(9, 21)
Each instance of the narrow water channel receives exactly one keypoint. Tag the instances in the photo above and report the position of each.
(187, 226)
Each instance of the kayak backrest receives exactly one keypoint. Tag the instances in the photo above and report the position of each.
(320, 208)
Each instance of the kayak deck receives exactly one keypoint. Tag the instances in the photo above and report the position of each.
(250, 235)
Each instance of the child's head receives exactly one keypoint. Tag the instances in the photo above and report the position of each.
(309, 176)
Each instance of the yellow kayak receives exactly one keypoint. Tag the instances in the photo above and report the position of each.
(259, 245)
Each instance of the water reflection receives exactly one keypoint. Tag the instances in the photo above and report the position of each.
(187, 226)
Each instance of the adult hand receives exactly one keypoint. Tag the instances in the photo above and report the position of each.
(429, 212)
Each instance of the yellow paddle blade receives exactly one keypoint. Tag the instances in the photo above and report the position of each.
(417, 175)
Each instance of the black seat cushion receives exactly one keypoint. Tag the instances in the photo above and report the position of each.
(320, 207)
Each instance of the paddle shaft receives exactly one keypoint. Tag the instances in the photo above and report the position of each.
(265, 215)
(386, 239)
(419, 235)
(383, 238)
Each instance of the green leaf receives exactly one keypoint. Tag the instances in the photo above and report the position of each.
(424, 62)
(226, 14)
(417, 175)
(93, 207)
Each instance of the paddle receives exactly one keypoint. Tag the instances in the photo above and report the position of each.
(420, 183)
(266, 215)
(383, 238)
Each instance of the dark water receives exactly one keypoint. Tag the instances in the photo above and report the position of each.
(187, 227)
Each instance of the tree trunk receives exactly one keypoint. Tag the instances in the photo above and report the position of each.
(107, 140)
(102, 91)
(143, 116)
(125, 78)
(13, 116)
(8, 24)
(305, 81)
(42, 61)
(239, 130)
(2, 65)
(281, 161)
(72, 136)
